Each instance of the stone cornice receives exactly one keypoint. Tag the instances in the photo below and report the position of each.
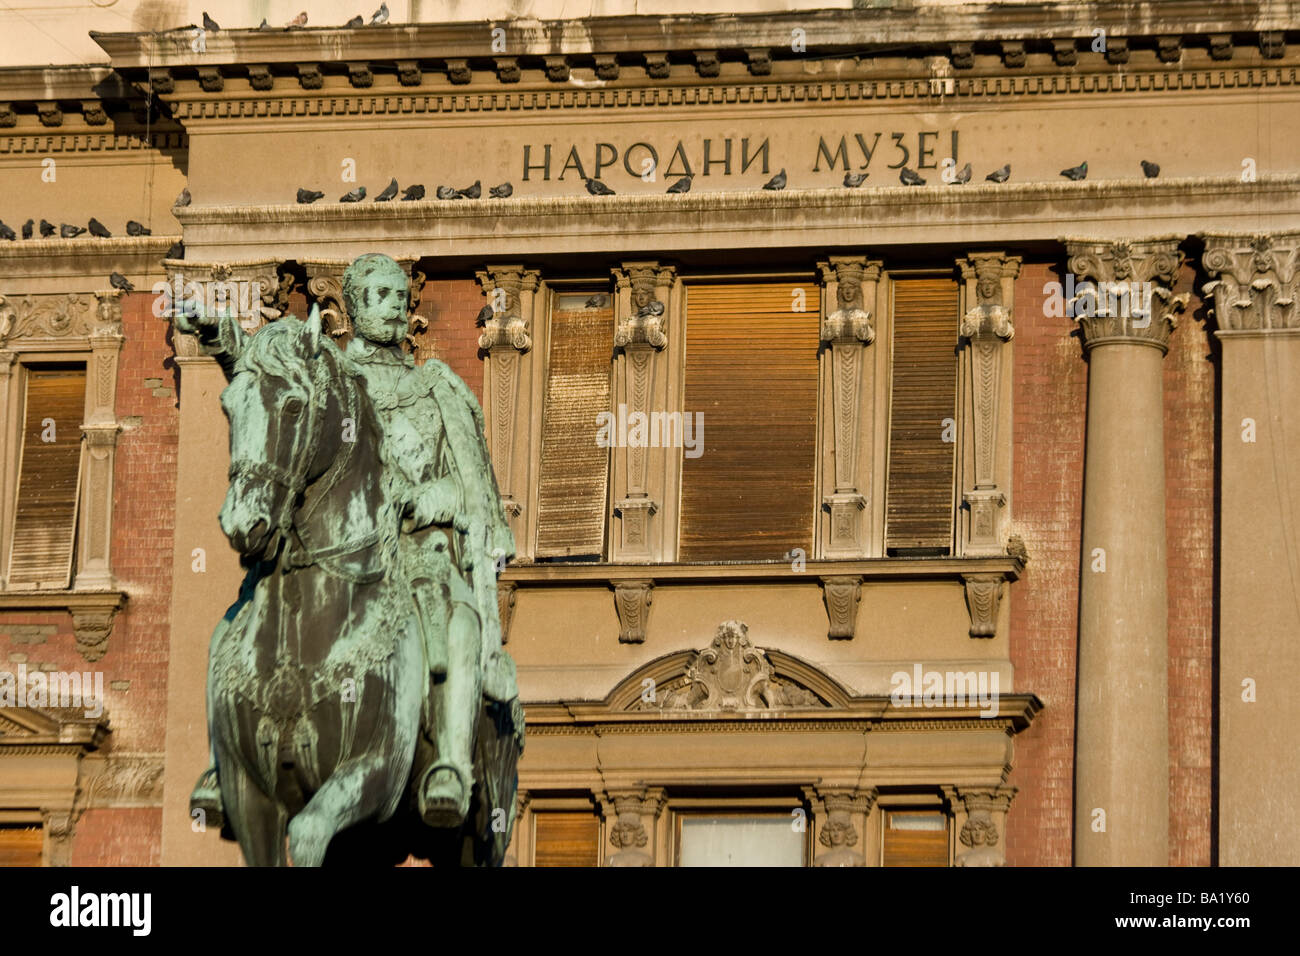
(651, 223)
(884, 26)
(870, 569)
(83, 264)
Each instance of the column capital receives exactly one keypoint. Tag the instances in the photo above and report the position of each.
(1255, 281)
(646, 324)
(510, 323)
(851, 280)
(990, 278)
(1120, 290)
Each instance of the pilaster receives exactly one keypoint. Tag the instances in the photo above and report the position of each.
(633, 833)
(849, 389)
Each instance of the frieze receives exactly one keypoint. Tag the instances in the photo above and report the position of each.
(45, 317)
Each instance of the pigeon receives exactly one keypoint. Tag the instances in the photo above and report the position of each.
(682, 185)
(471, 192)
(776, 182)
(47, 229)
(597, 188)
(446, 192)
(264, 25)
(299, 21)
(308, 196)
(503, 191)
(596, 302)
(183, 199)
(1000, 175)
(484, 314)
(909, 177)
(380, 15)
(356, 22)
(6, 233)
(1076, 173)
(356, 195)
(210, 24)
(69, 232)
(390, 192)
(134, 228)
(27, 228)
(1151, 169)
(98, 230)
(962, 177)
(177, 251)
(854, 180)
(119, 281)
(413, 192)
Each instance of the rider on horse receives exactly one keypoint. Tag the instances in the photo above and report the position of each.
(453, 534)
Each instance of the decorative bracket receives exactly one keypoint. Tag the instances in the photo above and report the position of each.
(632, 602)
(983, 597)
(842, 593)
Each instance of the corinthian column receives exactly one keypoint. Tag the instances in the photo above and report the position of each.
(1256, 290)
(1122, 750)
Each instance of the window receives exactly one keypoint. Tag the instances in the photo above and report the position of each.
(751, 375)
(43, 537)
(566, 839)
(21, 844)
(915, 838)
(574, 469)
(922, 429)
(740, 840)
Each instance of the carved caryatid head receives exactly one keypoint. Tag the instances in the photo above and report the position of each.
(979, 830)
(376, 293)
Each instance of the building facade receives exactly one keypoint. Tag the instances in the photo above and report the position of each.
(895, 410)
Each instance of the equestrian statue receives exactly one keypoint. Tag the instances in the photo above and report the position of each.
(359, 698)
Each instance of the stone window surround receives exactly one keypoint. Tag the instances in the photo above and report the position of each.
(75, 326)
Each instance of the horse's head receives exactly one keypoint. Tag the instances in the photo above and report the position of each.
(282, 419)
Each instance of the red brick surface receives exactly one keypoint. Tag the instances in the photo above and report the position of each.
(1049, 407)
(120, 837)
(1190, 525)
(451, 306)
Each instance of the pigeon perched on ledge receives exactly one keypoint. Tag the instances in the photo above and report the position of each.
(854, 180)
(99, 230)
(962, 177)
(28, 226)
(47, 229)
(134, 228)
(682, 185)
(356, 22)
(504, 191)
(447, 192)
(183, 199)
(380, 16)
(1076, 173)
(999, 175)
(308, 196)
(484, 314)
(177, 251)
(6, 233)
(356, 195)
(119, 281)
(471, 192)
(910, 177)
(69, 232)
(597, 188)
(390, 192)
(776, 182)
(210, 24)
(413, 193)
(1150, 169)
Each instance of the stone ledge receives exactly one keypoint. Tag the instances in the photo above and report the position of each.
(93, 613)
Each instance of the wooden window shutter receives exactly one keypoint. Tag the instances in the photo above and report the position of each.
(573, 478)
(566, 839)
(751, 370)
(915, 838)
(919, 516)
(21, 845)
(49, 479)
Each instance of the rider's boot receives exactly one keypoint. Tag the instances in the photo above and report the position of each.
(444, 792)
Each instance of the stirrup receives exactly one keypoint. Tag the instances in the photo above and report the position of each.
(206, 798)
(439, 806)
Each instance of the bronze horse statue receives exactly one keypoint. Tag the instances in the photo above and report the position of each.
(318, 682)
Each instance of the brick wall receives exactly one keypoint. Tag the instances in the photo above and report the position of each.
(451, 306)
(1189, 379)
(135, 664)
(1050, 401)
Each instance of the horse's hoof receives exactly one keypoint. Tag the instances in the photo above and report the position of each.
(206, 799)
(444, 798)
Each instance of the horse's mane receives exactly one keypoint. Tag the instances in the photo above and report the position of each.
(284, 349)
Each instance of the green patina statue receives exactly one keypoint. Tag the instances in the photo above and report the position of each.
(359, 698)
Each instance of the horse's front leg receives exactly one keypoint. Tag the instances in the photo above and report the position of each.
(369, 783)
